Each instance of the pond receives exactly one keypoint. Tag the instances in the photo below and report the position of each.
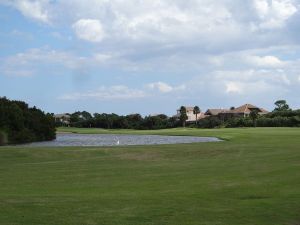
(70, 139)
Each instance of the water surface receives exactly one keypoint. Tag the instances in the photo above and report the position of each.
(68, 139)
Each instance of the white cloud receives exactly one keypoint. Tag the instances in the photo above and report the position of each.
(171, 38)
(285, 80)
(164, 88)
(35, 60)
(100, 57)
(265, 61)
(207, 24)
(158, 21)
(262, 7)
(274, 76)
(89, 30)
(250, 88)
(33, 9)
(246, 83)
(19, 73)
(234, 87)
(275, 13)
(160, 86)
(118, 92)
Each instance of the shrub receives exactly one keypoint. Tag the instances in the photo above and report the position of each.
(210, 122)
(3, 138)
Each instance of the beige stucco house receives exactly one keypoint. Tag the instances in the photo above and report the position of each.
(190, 114)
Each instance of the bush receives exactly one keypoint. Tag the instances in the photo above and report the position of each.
(23, 136)
(210, 122)
(3, 138)
(239, 122)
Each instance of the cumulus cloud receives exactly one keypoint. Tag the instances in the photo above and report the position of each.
(274, 75)
(100, 57)
(33, 9)
(208, 24)
(234, 87)
(164, 88)
(265, 61)
(117, 92)
(242, 84)
(89, 30)
(25, 63)
(236, 47)
(35, 60)
(275, 13)
(240, 88)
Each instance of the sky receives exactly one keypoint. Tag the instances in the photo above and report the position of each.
(149, 56)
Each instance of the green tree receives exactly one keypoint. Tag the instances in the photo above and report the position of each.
(196, 111)
(254, 115)
(20, 123)
(281, 105)
(86, 115)
(183, 116)
(3, 138)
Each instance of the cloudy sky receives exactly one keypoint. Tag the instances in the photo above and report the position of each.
(149, 56)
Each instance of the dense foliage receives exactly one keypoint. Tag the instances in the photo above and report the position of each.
(20, 123)
(289, 118)
(114, 121)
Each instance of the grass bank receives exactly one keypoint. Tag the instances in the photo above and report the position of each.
(251, 179)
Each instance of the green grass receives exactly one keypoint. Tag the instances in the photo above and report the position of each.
(253, 178)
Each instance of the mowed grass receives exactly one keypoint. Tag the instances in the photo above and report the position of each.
(252, 178)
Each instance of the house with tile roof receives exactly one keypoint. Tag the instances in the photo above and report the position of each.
(242, 111)
(223, 114)
(190, 114)
(215, 112)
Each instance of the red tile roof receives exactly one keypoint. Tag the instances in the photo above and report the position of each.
(247, 108)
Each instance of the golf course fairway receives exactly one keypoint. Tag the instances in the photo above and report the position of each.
(250, 178)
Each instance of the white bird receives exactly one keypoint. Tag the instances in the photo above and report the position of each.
(118, 141)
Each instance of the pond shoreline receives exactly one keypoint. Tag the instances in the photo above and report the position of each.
(105, 140)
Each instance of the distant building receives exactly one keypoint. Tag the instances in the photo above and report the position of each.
(242, 111)
(190, 114)
(62, 118)
(215, 112)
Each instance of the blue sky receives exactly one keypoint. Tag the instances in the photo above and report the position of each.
(149, 56)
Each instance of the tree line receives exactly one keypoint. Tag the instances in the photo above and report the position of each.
(20, 123)
(281, 116)
(113, 121)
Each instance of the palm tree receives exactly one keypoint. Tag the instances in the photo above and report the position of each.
(196, 111)
(183, 116)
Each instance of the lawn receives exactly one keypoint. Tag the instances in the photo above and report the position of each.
(251, 178)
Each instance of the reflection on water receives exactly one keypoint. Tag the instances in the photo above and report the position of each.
(114, 140)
